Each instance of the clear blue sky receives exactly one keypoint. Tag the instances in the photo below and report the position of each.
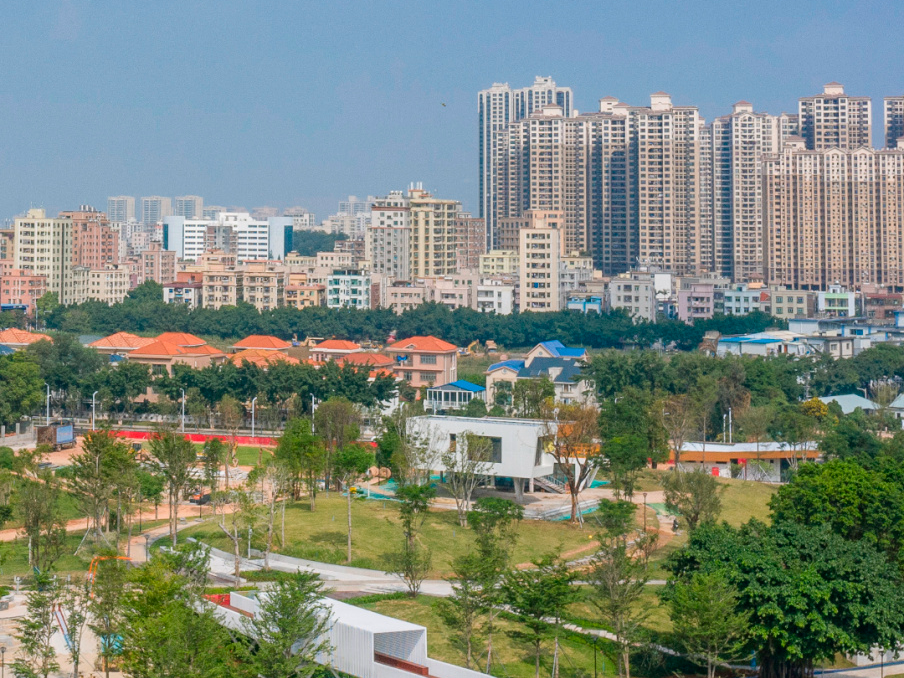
(271, 103)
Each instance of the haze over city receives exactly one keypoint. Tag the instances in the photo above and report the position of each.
(305, 104)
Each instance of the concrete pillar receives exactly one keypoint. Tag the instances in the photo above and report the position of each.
(519, 489)
(530, 485)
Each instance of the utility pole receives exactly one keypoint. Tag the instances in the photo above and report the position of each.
(183, 410)
(93, 403)
(253, 403)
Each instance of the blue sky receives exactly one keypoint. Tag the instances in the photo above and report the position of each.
(271, 103)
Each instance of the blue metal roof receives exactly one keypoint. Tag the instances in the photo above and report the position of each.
(560, 350)
(461, 385)
(6, 350)
(511, 364)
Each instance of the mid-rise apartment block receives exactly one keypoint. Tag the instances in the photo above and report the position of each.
(349, 289)
(95, 244)
(19, 289)
(540, 253)
(499, 262)
(471, 239)
(7, 243)
(387, 243)
(154, 208)
(834, 119)
(121, 208)
(157, 264)
(233, 232)
(43, 246)
(635, 293)
(434, 239)
(189, 206)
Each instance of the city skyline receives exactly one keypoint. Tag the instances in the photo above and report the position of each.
(383, 122)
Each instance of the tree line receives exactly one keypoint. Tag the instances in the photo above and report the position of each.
(144, 310)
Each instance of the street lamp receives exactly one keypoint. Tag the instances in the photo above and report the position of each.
(48, 404)
(93, 403)
(183, 409)
(645, 512)
(253, 401)
(147, 551)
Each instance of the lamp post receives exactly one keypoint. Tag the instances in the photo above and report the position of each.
(253, 403)
(93, 404)
(645, 512)
(2, 661)
(48, 404)
(183, 410)
(147, 550)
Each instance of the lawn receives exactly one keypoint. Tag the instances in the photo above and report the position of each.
(321, 535)
(513, 657)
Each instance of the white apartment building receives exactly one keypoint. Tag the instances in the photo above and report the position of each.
(574, 271)
(210, 212)
(348, 289)
(354, 205)
(154, 208)
(495, 296)
(352, 226)
(540, 253)
(834, 119)
(121, 208)
(635, 292)
(744, 298)
(302, 219)
(109, 284)
(189, 206)
(44, 246)
(387, 243)
(233, 232)
(496, 107)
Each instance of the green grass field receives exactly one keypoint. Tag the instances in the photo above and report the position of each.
(321, 535)
(513, 656)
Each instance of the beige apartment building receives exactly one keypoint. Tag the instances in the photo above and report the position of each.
(834, 217)
(157, 264)
(499, 262)
(434, 240)
(540, 252)
(893, 117)
(834, 119)
(44, 247)
(7, 243)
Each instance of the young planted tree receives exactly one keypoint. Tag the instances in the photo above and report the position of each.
(755, 423)
(74, 602)
(274, 479)
(530, 396)
(696, 497)
(303, 455)
(174, 457)
(624, 457)
(351, 463)
(495, 525)
(37, 656)
(240, 521)
(712, 629)
(42, 518)
(678, 421)
(289, 628)
(573, 434)
(412, 561)
(462, 611)
(105, 607)
(92, 479)
(338, 423)
(232, 416)
(540, 595)
(467, 460)
(619, 576)
(214, 456)
(123, 469)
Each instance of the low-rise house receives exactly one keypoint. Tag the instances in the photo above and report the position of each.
(121, 343)
(425, 361)
(851, 401)
(172, 348)
(453, 396)
(561, 364)
(261, 358)
(16, 339)
(334, 349)
(261, 342)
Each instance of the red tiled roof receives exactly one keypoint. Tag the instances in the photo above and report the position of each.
(181, 339)
(122, 340)
(429, 343)
(261, 357)
(373, 359)
(16, 337)
(202, 350)
(159, 348)
(262, 341)
(337, 345)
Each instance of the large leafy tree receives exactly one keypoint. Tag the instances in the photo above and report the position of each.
(809, 593)
(856, 503)
(21, 388)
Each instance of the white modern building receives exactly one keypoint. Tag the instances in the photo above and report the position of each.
(519, 446)
(233, 232)
(348, 289)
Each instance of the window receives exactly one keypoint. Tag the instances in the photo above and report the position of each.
(428, 360)
(428, 377)
(496, 447)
